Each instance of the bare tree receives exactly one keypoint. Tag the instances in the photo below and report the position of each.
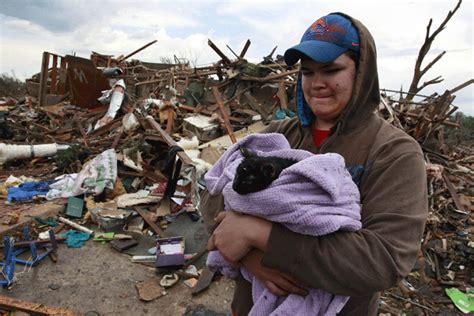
(419, 72)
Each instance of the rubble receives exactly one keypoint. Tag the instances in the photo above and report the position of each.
(138, 158)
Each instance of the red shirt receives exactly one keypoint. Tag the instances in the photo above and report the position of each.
(319, 135)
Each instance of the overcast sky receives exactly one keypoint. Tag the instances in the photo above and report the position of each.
(29, 27)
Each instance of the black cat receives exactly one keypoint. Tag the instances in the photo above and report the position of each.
(256, 173)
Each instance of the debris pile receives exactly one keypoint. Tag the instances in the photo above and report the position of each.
(124, 145)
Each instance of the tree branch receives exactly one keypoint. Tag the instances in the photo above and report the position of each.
(432, 81)
(461, 86)
(418, 73)
(432, 63)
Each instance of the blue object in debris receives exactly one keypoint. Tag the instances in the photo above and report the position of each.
(27, 191)
(283, 113)
(75, 239)
(8, 266)
(35, 186)
(35, 256)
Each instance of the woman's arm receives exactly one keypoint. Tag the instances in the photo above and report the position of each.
(345, 263)
(241, 239)
(236, 234)
(276, 282)
(374, 258)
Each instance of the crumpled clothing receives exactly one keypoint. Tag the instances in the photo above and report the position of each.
(27, 191)
(95, 176)
(75, 239)
(315, 196)
(50, 221)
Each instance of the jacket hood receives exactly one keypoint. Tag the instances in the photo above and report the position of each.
(365, 94)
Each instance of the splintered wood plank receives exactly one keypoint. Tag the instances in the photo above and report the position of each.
(452, 192)
(13, 304)
(43, 79)
(228, 126)
(147, 219)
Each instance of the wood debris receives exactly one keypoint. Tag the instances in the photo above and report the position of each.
(166, 104)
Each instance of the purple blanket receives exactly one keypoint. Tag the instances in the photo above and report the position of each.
(315, 196)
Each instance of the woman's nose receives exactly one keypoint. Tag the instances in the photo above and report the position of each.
(318, 82)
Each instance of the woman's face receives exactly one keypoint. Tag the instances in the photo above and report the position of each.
(327, 87)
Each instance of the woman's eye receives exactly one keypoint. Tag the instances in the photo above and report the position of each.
(332, 70)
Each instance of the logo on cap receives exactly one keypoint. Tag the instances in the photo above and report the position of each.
(323, 30)
(326, 39)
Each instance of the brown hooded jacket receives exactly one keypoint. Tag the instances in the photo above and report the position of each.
(389, 169)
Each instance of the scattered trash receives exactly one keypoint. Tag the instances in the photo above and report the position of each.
(123, 244)
(76, 226)
(149, 290)
(104, 236)
(74, 207)
(75, 239)
(135, 139)
(191, 282)
(463, 301)
(168, 280)
(170, 252)
(12, 152)
(205, 279)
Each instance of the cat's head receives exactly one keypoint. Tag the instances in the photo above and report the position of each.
(254, 173)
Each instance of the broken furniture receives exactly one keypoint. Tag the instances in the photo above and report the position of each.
(8, 266)
(33, 247)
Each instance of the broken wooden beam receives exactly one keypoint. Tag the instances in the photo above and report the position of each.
(227, 124)
(20, 244)
(225, 59)
(106, 128)
(147, 219)
(282, 95)
(244, 50)
(170, 141)
(271, 77)
(16, 305)
(170, 121)
(253, 103)
(207, 112)
(452, 192)
(136, 51)
(117, 137)
(44, 74)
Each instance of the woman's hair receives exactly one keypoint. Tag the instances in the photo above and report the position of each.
(354, 56)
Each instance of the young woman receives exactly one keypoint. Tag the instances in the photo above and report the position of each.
(337, 93)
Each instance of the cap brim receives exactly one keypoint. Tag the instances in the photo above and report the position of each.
(319, 51)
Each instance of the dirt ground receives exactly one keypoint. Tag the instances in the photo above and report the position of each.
(100, 279)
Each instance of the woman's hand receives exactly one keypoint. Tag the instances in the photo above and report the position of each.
(278, 283)
(237, 233)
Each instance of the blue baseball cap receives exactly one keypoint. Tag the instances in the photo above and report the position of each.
(325, 40)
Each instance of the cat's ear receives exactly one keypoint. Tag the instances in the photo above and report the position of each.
(246, 152)
(269, 170)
